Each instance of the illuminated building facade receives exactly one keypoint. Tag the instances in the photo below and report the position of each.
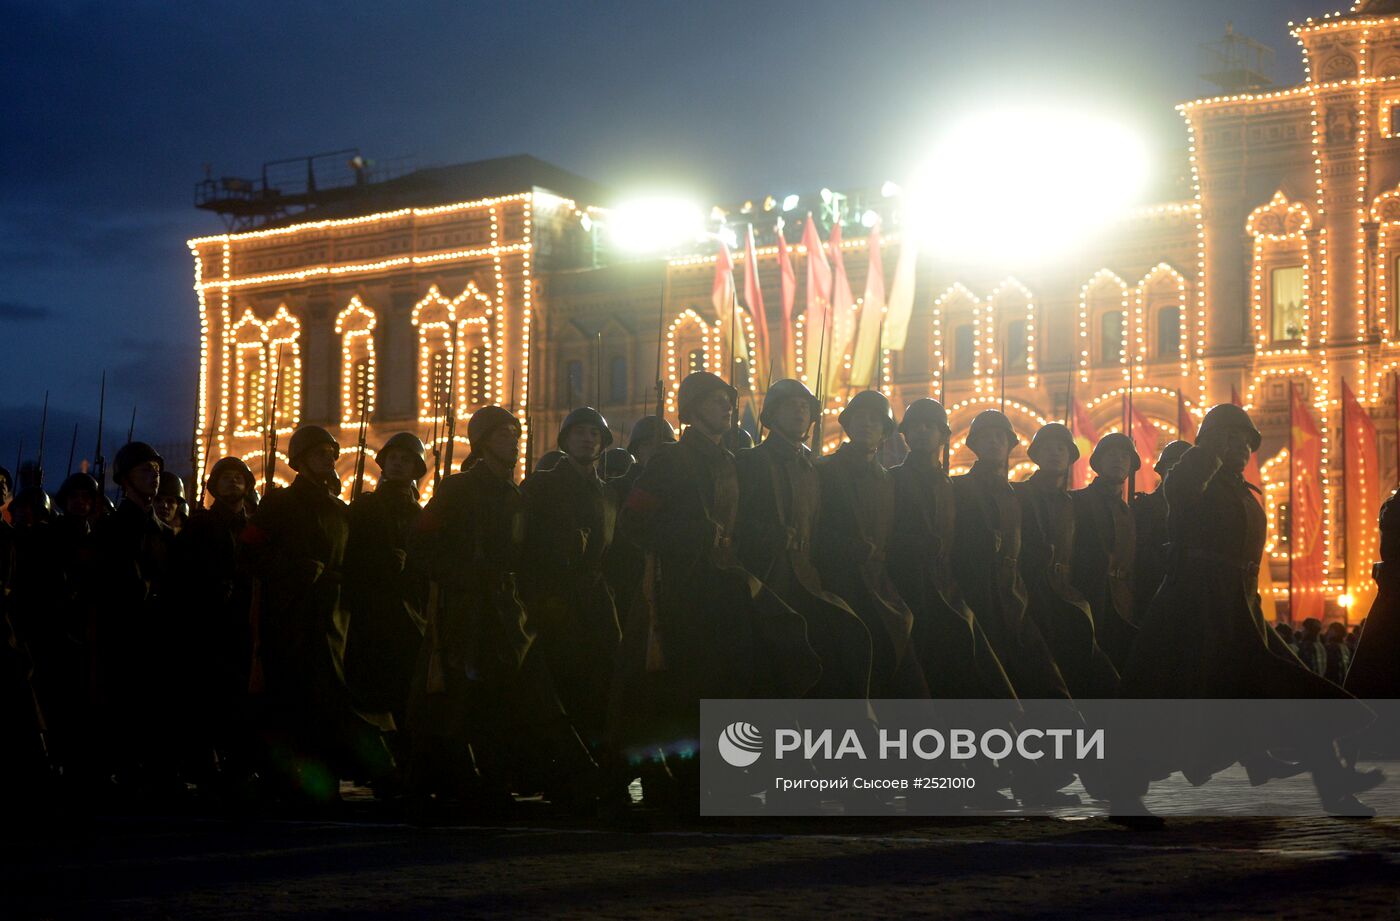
(1279, 263)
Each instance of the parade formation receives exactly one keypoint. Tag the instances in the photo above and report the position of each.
(556, 635)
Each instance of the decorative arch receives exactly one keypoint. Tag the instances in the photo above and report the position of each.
(355, 327)
(955, 304)
(250, 374)
(1159, 295)
(1103, 294)
(1282, 257)
(1013, 314)
(456, 351)
(267, 364)
(691, 344)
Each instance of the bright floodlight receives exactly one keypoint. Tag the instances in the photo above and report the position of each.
(1021, 184)
(655, 225)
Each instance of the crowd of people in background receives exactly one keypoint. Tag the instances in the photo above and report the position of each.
(555, 636)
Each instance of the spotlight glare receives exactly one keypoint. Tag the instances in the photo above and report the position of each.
(1022, 184)
(656, 224)
(790, 202)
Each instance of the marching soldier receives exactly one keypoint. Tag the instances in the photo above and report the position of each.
(137, 703)
(985, 560)
(385, 596)
(1150, 524)
(779, 502)
(1373, 675)
(21, 722)
(986, 568)
(219, 592)
(713, 629)
(853, 534)
(1049, 554)
(295, 544)
(1105, 542)
(1205, 636)
(624, 561)
(957, 659)
(570, 517)
(484, 712)
(170, 506)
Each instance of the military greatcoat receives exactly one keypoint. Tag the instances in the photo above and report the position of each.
(957, 658)
(779, 502)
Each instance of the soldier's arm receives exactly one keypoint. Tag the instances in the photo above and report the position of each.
(1187, 481)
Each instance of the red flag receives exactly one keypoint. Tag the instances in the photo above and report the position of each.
(1144, 437)
(788, 283)
(1308, 566)
(753, 299)
(1085, 437)
(842, 322)
(1185, 422)
(818, 291)
(1362, 487)
(865, 360)
(722, 296)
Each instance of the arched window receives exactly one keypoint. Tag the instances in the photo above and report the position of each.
(1103, 309)
(1111, 338)
(958, 329)
(1169, 332)
(284, 367)
(449, 330)
(355, 326)
(267, 357)
(1281, 258)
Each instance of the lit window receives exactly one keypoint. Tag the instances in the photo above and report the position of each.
(1286, 303)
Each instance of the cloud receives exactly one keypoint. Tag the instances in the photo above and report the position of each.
(20, 312)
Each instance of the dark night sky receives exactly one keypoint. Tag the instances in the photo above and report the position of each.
(113, 109)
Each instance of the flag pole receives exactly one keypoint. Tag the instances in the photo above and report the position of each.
(1292, 507)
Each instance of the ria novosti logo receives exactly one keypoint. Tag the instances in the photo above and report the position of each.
(740, 744)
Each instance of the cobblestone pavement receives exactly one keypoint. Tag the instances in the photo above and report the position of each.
(368, 864)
